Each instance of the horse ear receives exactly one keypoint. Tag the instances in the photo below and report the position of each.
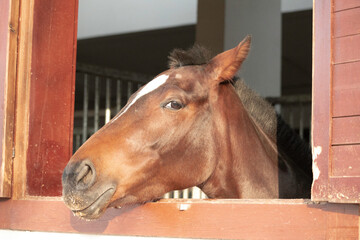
(226, 64)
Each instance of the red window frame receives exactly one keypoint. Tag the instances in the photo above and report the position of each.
(336, 119)
(8, 46)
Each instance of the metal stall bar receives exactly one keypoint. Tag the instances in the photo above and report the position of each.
(139, 85)
(185, 193)
(129, 89)
(167, 195)
(107, 102)
(196, 193)
(301, 121)
(86, 74)
(85, 108)
(176, 194)
(118, 95)
(77, 141)
(96, 104)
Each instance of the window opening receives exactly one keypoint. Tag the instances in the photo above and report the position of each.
(105, 79)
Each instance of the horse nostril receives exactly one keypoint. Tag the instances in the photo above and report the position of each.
(86, 176)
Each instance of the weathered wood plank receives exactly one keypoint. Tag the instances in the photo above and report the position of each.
(5, 184)
(346, 49)
(9, 21)
(51, 95)
(346, 130)
(345, 102)
(345, 4)
(225, 219)
(345, 160)
(346, 89)
(346, 76)
(346, 22)
(344, 189)
(321, 113)
(23, 75)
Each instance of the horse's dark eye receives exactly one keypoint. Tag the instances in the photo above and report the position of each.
(173, 105)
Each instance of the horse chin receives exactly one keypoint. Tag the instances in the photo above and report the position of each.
(130, 201)
(124, 201)
(96, 208)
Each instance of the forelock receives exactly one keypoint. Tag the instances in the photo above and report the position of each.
(197, 55)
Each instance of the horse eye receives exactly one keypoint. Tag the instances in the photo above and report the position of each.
(173, 105)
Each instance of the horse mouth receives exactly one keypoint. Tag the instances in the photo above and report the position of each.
(96, 208)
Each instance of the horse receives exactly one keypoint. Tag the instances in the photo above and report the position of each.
(192, 125)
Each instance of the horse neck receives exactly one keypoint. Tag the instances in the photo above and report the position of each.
(246, 156)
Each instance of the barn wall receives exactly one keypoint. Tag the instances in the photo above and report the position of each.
(346, 89)
(336, 91)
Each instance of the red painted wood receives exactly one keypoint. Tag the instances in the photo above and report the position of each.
(345, 102)
(345, 160)
(346, 89)
(347, 22)
(346, 76)
(4, 38)
(225, 219)
(321, 113)
(335, 86)
(346, 49)
(344, 189)
(346, 130)
(345, 4)
(51, 95)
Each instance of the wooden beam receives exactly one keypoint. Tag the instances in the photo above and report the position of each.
(22, 97)
(5, 184)
(225, 219)
(9, 22)
(52, 89)
(321, 94)
(45, 96)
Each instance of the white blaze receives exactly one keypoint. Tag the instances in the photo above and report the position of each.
(151, 86)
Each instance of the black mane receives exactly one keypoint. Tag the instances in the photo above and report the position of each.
(289, 143)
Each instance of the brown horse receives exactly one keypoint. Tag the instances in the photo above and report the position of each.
(189, 127)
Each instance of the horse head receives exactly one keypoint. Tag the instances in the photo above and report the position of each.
(165, 138)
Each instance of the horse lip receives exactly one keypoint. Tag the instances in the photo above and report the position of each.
(97, 207)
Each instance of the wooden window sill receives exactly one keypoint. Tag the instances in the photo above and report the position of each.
(227, 219)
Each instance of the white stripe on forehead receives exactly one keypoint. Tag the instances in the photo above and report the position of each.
(151, 86)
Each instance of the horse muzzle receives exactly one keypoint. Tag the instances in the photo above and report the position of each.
(82, 193)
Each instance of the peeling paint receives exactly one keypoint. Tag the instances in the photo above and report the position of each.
(316, 152)
(340, 196)
(316, 171)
